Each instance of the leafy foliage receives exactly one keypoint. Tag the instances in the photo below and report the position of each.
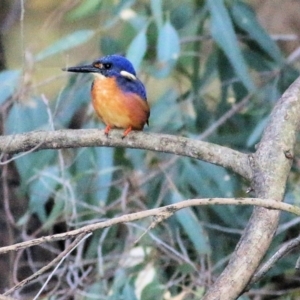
(194, 88)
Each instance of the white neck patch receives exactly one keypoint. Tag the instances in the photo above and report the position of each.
(128, 75)
(99, 76)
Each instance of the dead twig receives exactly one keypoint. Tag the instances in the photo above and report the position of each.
(157, 212)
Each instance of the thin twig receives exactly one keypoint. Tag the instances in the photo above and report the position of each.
(60, 258)
(9, 215)
(230, 113)
(70, 249)
(161, 211)
(284, 250)
(5, 298)
(7, 161)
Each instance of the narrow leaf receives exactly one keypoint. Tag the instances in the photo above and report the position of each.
(137, 49)
(8, 83)
(168, 50)
(85, 9)
(104, 163)
(23, 118)
(110, 45)
(245, 18)
(122, 6)
(168, 45)
(192, 227)
(223, 33)
(41, 189)
(257, 132)
(67, 42)
(156, 8)
(26, 117)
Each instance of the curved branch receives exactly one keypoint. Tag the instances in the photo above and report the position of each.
(212, 153)
(271, 165)
(283, 250)
(161, 212)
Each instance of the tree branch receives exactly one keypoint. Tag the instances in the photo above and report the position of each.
(271, 165)
(283, 250)
(212, 153)
(161, 212)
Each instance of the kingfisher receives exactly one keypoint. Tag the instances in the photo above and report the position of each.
(118, 96)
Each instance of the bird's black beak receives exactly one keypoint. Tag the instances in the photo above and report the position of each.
(82, 69)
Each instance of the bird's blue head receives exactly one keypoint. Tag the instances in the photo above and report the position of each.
(113, 65)
(108, 66)
(118, 67)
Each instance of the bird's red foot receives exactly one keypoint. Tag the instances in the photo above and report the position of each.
(106, 130)
(126, 131)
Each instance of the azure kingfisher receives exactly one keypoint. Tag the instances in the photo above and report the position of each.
(118, 96)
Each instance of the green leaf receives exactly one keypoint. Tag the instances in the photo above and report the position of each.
(57, 209)
(136, 158)
(71, 100)
(191, 225)
(23, 118)
(168, 115)
(128, 292)
(153, 290)
(210, 70)
(96, 288)
(137, 22)
(257, 132)
(9, 80)
(137, 49)
(109, 45)
(28, 165)
(168, 44)
(84, 9)
(206, 180)
(67, 42)
(41, 189)
(257, 61)
(119, 280)
(122, 5)
(181, 15)
(26, 117)
(84, 169)
(223, 33)
(217, 178)
(245, 18)
(168, 50)
(94, 168)
(105, 166)
(157, 12)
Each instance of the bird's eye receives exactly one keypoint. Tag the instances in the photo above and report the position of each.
(107, 66)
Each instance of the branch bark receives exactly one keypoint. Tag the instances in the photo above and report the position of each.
(270, 165)
(212, 153)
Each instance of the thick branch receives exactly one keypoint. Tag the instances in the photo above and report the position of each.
(162, 212)
(271, 165)
(212, 153)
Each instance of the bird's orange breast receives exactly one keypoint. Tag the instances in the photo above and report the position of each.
(117, 108)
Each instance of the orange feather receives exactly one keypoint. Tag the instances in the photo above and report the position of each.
(116, 108)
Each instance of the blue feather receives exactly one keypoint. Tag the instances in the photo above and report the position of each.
(118, 64)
